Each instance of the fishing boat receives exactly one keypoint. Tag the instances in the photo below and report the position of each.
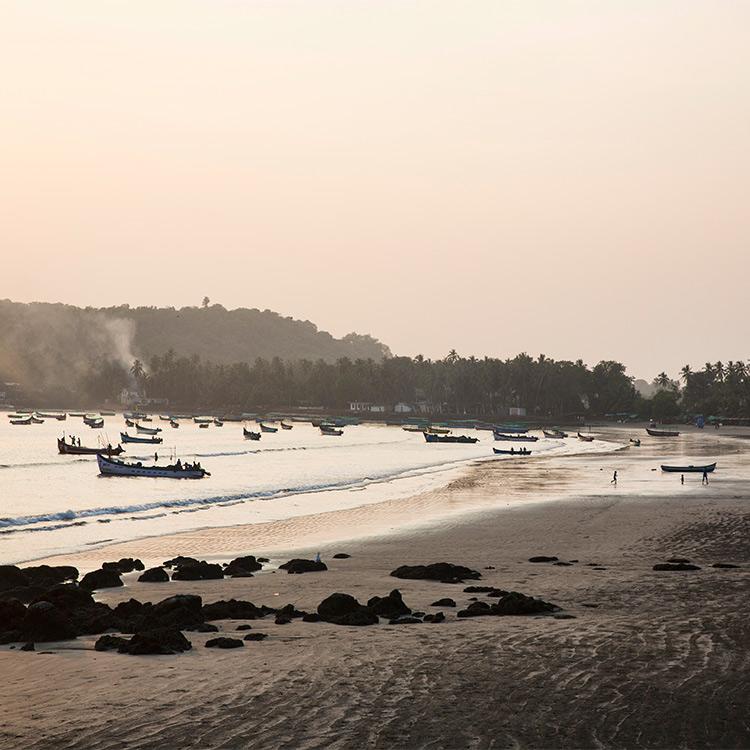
(106, 414)
(203, 425)
(147, 430)
(511, 429)
(174, 424)
(25, 420)
(218, 423)
(46, 415)
(662, 433)
(151, 440)
(586, 438)
(511, 452)
(556, 434)
(449, 438)
(266, 428)
(36, 420)
(202, 420)
(95, 424)
(77, 413)
(250, 435)
(707, 469)
(129, 423)
(116, 468)
(328, 430)
(438, 430)
(636, 442)
(146, 419)
(165, 419)
(515, 438)
(68, 449)
(413, 428)
(285, 426)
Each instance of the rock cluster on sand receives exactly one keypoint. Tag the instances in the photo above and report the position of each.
(242, 567)
(124, 565)
(676, 566)
(442, 571)
(298, 565)
(101, 579)
(224, 642)
(513, 603)
(154, 575)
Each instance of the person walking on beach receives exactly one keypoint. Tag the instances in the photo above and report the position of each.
(682, 479)
(614, 479)
(705, 478)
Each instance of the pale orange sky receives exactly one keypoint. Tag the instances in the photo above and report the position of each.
(559, 177)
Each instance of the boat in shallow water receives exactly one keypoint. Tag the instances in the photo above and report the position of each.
(449, 438)
(511, 452)
(662, 433)
(266, 428)
(116, 468)
(586, 438)
(707, 468)
(151, 440)
(147, 430)
(327, 430)
(636, 442)
(65, 448)
(250, 435)
(556, 434)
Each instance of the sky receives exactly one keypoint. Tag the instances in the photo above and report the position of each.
(565, 177)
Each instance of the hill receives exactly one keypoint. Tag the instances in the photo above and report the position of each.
(45, 346)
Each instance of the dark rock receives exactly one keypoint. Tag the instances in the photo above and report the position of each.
(515, 603)
(574, 561)
(590, 605)
(678, 560)
(599, 567)
(200, 571)
(489, 567)
(405, 620)
(27, 647)
(479, 589)
(157, 641)
(245, 626)
(67, 596)
(154, 575)
(724, 565)
(224, 642)
(344, 609)
(437, 617)
(12, 613)
(234, 609)
(242, 567)
(10, 636)
(180, 611)
(418, 614)
(49, 575)
(675, 566)
(131, 608)
(311, 617)
(444, 603)
(298, 565)
(12, 577)
(564, 616)
(289, 610)
(445, 572)
(124, 565)
(204, 627)
(101, 579)
(562, 562)
(24, 594)
(45, 622)
(389, 606)
(255, 636)
(341, 556)
(263, 560)
(497, 593)
(543, 559)
(110, 643)
(179, 560)
(282, 620)
(475, 609)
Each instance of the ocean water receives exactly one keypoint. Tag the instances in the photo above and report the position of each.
(51, 504)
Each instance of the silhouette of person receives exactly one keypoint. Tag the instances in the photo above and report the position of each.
(705, 478)
(614, 479)
(682, 479)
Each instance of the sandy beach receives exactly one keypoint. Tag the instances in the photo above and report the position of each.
(634, 658)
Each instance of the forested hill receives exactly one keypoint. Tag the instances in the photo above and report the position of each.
(41, 342)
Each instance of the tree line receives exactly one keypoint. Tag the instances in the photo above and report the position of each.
(453, 385)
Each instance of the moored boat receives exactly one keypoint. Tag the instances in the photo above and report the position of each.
(556, 434)
(586, 438)
(266, 428)
(512, 452)
(250, 435)
(414, 428)
(50, 415)
(706, 468)
(151, 440)
(202, 420)
(449, 438)
(635, 441)
(515, 438)
(438, 430)
(24, 421)
(511, 429)
(66, 448)
(218, 423)
(95, 424)
(327, 430)
(129, 423)
(113, 467)
(147, 430)
(173, 423)
(203, 425)
(662, 433)
(36, 420)
(285, 426)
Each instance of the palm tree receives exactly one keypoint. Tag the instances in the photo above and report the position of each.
(137, 371)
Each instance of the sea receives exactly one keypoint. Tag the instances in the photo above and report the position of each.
(52, 504)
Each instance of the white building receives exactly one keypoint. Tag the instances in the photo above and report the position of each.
(402, 408)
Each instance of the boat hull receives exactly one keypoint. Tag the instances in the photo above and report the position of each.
(463, 439)
(153, 440)
(79, 450)
(119, 469)
(250, 435)
(708, 468)
(662, 433)
(502, 452)
(515, 438)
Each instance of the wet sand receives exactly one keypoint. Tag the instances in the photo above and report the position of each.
(649, 659)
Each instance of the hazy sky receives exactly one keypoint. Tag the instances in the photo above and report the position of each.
(561, 177)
